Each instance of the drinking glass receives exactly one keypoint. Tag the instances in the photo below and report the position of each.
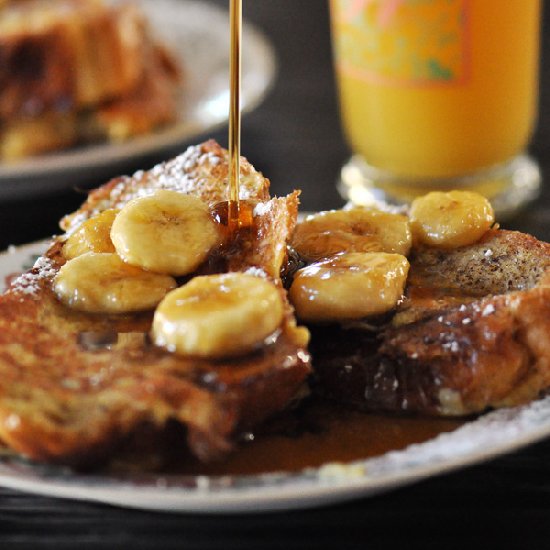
(438, 94)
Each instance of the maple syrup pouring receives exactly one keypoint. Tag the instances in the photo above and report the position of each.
(235, 113)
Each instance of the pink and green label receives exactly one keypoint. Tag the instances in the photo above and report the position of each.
(410, 42)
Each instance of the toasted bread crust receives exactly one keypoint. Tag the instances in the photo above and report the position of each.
(64, 400)
(202, 170)
(471, 335)
(501, 261)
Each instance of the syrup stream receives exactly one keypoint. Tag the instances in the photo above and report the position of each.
(235, 113)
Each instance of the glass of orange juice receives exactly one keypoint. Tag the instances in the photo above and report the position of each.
(438, 94)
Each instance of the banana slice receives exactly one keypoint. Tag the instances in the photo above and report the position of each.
(218, 315)
(452, 219)
(167, 232)
(94, 235)
(103, 283)
(357, 230)
(349, 286)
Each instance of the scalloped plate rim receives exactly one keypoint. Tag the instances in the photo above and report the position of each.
(502, 431)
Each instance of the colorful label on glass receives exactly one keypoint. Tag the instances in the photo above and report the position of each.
(414, 42)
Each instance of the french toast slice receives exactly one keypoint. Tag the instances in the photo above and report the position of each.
(88, 67)
(471, 334)
(202, 170)
(75, 386)
(66, 54)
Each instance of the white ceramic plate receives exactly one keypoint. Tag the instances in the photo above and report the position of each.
(491, 435)
(198, 33)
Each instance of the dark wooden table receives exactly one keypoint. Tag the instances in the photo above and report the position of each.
(294, 137)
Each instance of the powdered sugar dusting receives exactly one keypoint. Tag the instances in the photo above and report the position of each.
(193, 172)
(182, 173)
(262, 208)
(29, 283)
(256, 272)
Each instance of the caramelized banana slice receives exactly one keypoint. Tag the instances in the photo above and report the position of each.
(349, 286)
(218, 315)
(167, 232)
(94, 235)
(357, 230)
(103, 283)
(450, 220)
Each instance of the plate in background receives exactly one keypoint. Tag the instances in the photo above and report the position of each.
(198, 33)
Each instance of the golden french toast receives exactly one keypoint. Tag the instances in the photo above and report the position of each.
(77, 382)
(202, 170)
(76, 71)
(153, 316)
(469, 331)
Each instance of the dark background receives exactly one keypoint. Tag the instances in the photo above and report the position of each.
(295, 139)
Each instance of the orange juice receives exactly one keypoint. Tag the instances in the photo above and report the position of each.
(437, 88)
